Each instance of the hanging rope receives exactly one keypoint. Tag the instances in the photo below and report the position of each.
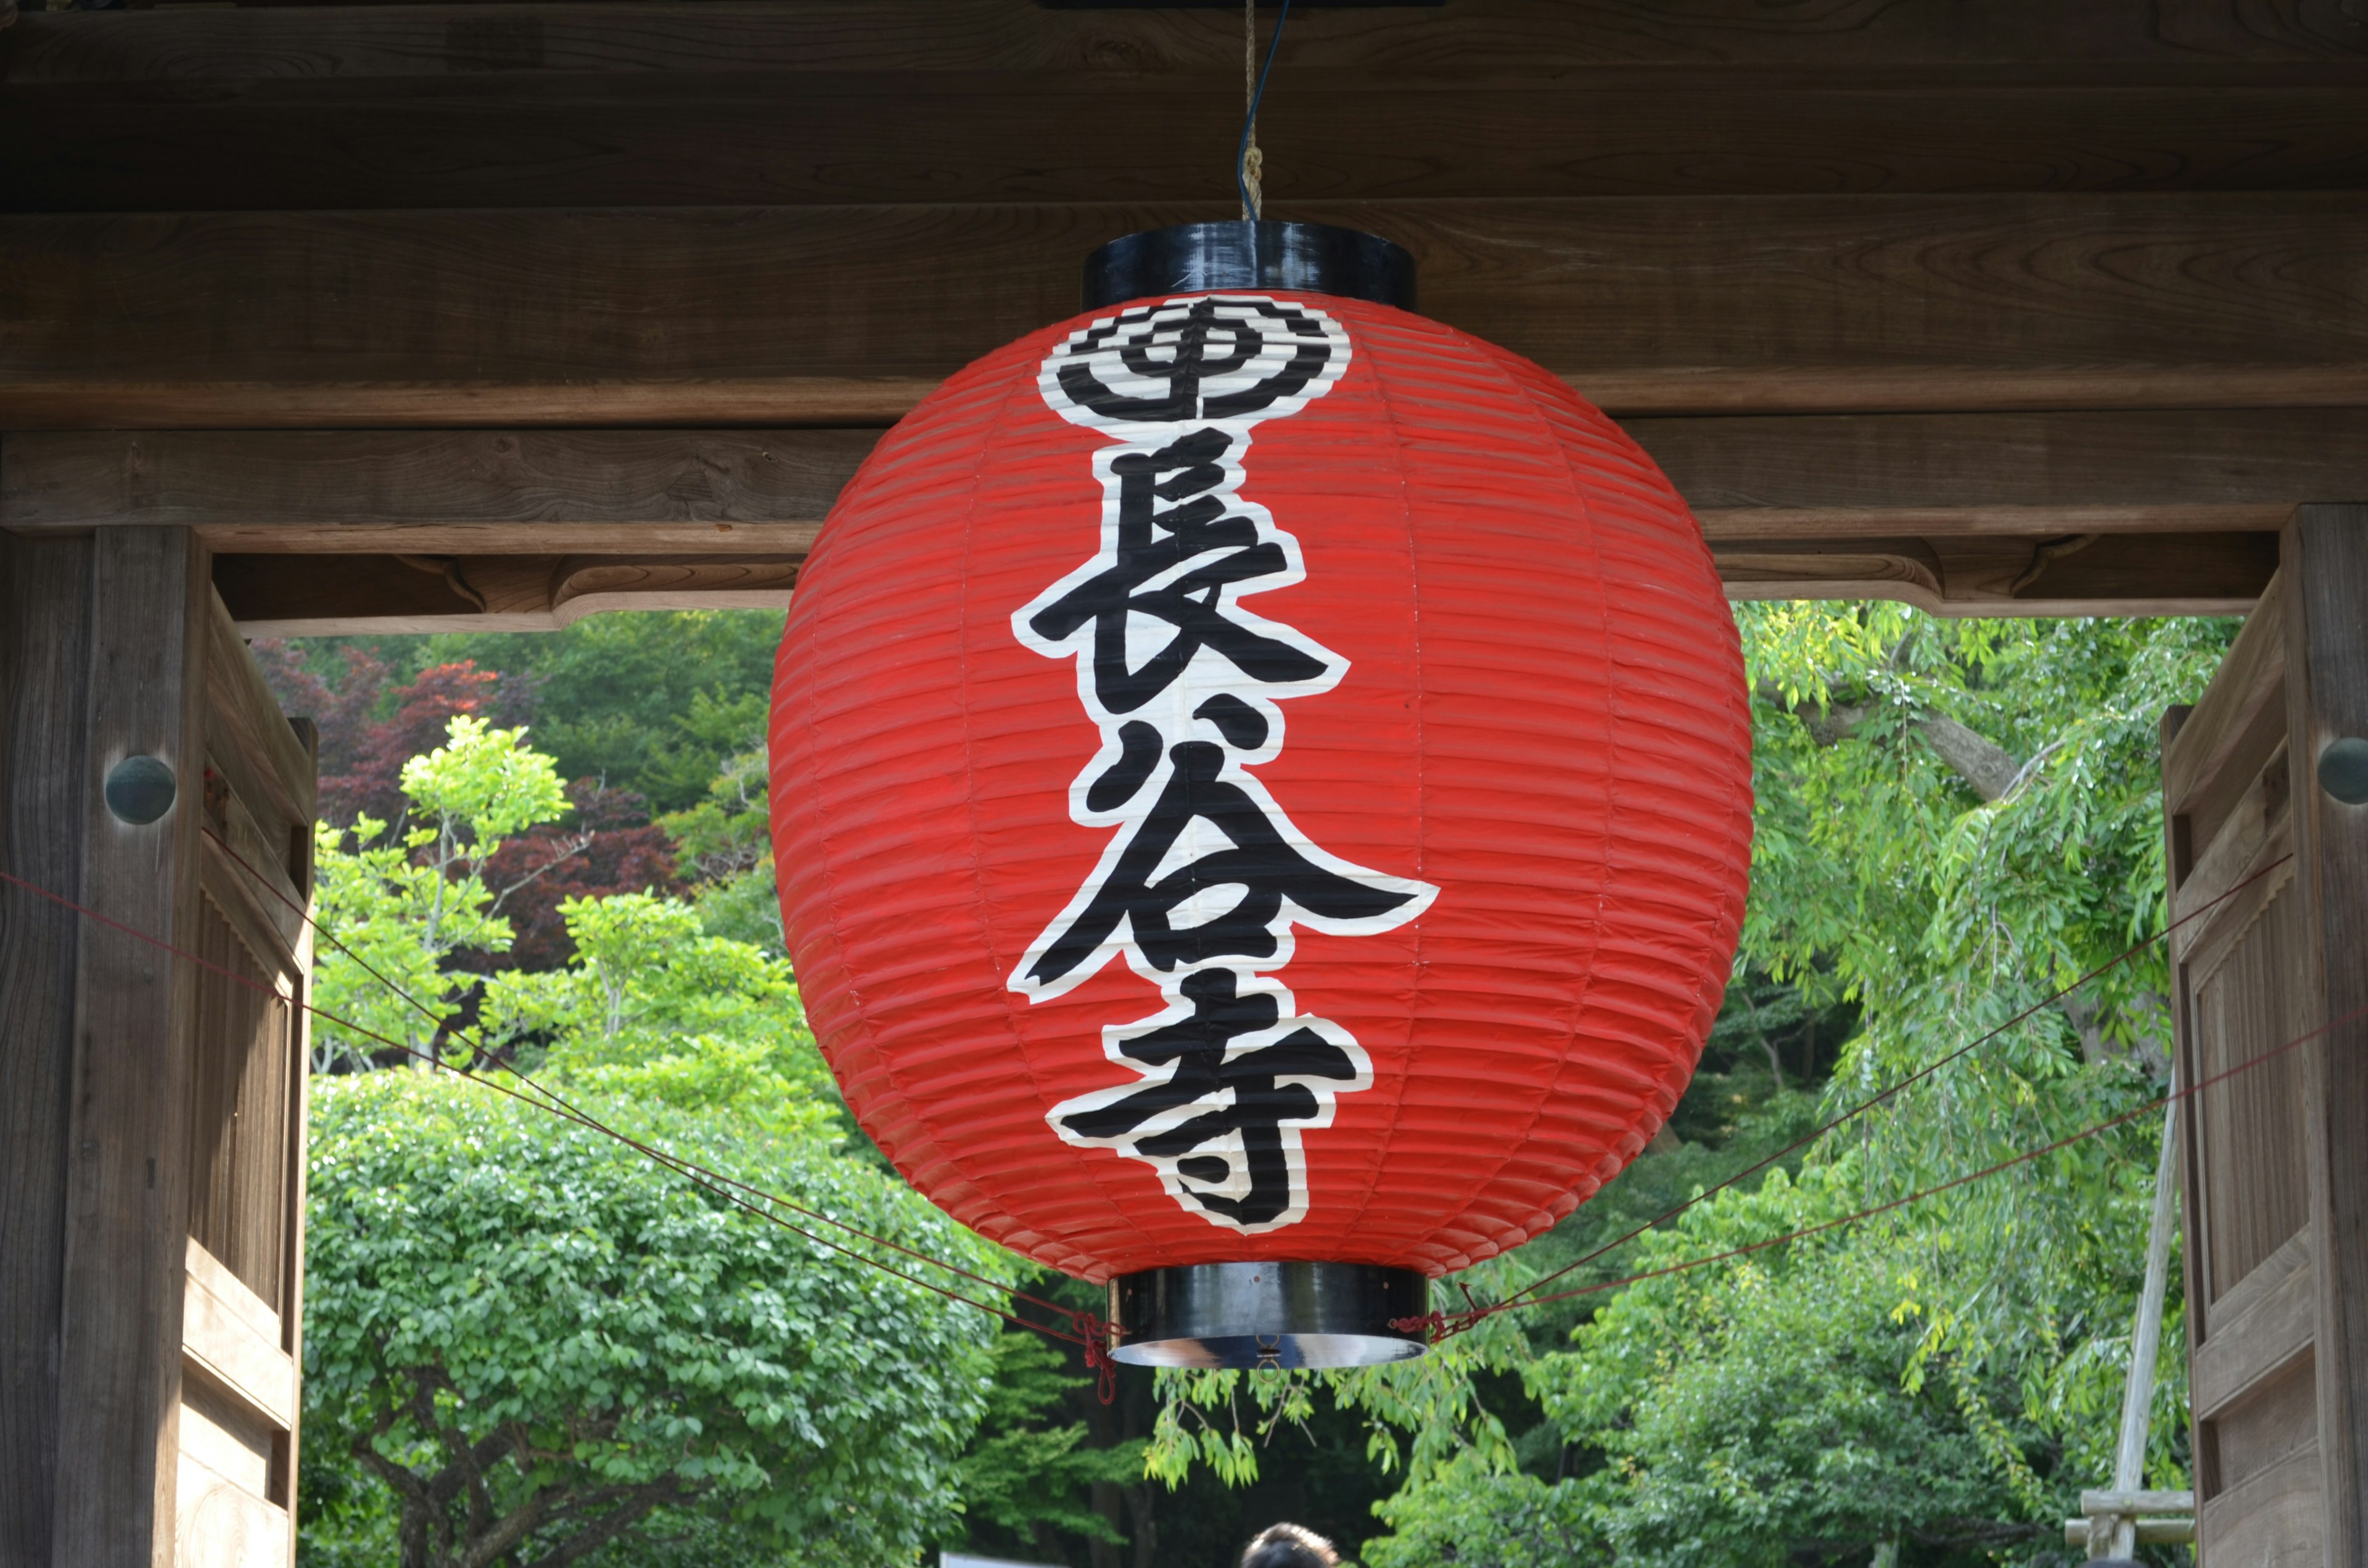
(1249, 163)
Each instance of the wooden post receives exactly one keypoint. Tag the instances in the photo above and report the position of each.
(2115, 1534)
(44, 660)
(127, 1173)
(103, 657)
(2326, 561)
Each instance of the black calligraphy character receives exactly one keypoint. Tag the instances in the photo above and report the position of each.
(1242, 1097)
(1153, 541)
(1208, 341)
(1261, 861)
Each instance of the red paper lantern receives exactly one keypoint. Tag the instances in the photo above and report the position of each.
(1260, 776)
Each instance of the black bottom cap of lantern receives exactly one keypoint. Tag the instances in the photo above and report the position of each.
(1313, 258)
(1268, 1314)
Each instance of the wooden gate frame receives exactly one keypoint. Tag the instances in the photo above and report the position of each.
(2049, 310)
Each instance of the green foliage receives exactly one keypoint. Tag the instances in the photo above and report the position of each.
(1954, 819)
(1024, 1475)
(650, 703)
(405, 899)
(531, 1337)
(725, 841)
(1473, 1512)
(528, 1342)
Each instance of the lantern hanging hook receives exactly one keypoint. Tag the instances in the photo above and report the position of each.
(1249, 161)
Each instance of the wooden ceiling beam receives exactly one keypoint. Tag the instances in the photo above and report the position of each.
(352, 595)
(522, 140)
(2023, 477)
(726, 102)
(316, 533)
(1474, 40)
(837, 315)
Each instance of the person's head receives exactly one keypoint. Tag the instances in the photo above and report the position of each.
(1289, 1546)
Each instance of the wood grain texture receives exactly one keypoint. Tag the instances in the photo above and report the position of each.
(518, 138)
(729, 492)
(2254, 831)
(2255, 1342)
(2272, 1518)
(236, 1336)
(2257, 1185)
(222, 1524)
(1482, 41)
(2327, 696)
(44, 666)
(247, 738)
(844, 316)
(2151, 471)
(443, 492)
(126, 1217)
(241, 1104)
(2250, 672)
(2264, 1322)
(2275, 1418)
(293, 596)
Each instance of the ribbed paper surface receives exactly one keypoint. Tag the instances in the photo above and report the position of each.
(1542, 717)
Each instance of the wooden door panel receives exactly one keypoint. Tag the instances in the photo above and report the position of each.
(241, 1332)
(2240, 962)
(220, 1524)
(2274, 1520)
(2261, 1326)
(242, 1107)
(2268, 868)
(2242, 1009)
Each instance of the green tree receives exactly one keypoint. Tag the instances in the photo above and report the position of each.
(539, 1348)
(650, 703)
(1027, 1476)
(409, 896)
(725, 842)
(1954, 819)
(527, 1342)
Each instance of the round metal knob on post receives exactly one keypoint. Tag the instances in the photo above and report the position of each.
(2343, 770)
(139, 789)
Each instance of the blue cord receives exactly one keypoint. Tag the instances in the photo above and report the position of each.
(1249, 121)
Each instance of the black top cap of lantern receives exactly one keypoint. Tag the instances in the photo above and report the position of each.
(1303, 258)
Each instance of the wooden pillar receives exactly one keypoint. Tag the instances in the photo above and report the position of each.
(104, 650)
(44, 659)
(2324, 559)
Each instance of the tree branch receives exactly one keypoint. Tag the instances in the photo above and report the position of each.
(1987, 768)
(636, 1507)
(576, 846)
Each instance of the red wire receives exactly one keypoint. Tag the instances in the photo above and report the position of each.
(1444, 1324)
(1865, 1105)
(1091, 1333)
(1089, 1341)
(686, 1166)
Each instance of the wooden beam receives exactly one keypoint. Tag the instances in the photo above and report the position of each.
(1475, 40)
(2031, 477)
(847, 316)
(322, 596)
(351, 595)
(2170, 512)
(519, 492)
(210, 137)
